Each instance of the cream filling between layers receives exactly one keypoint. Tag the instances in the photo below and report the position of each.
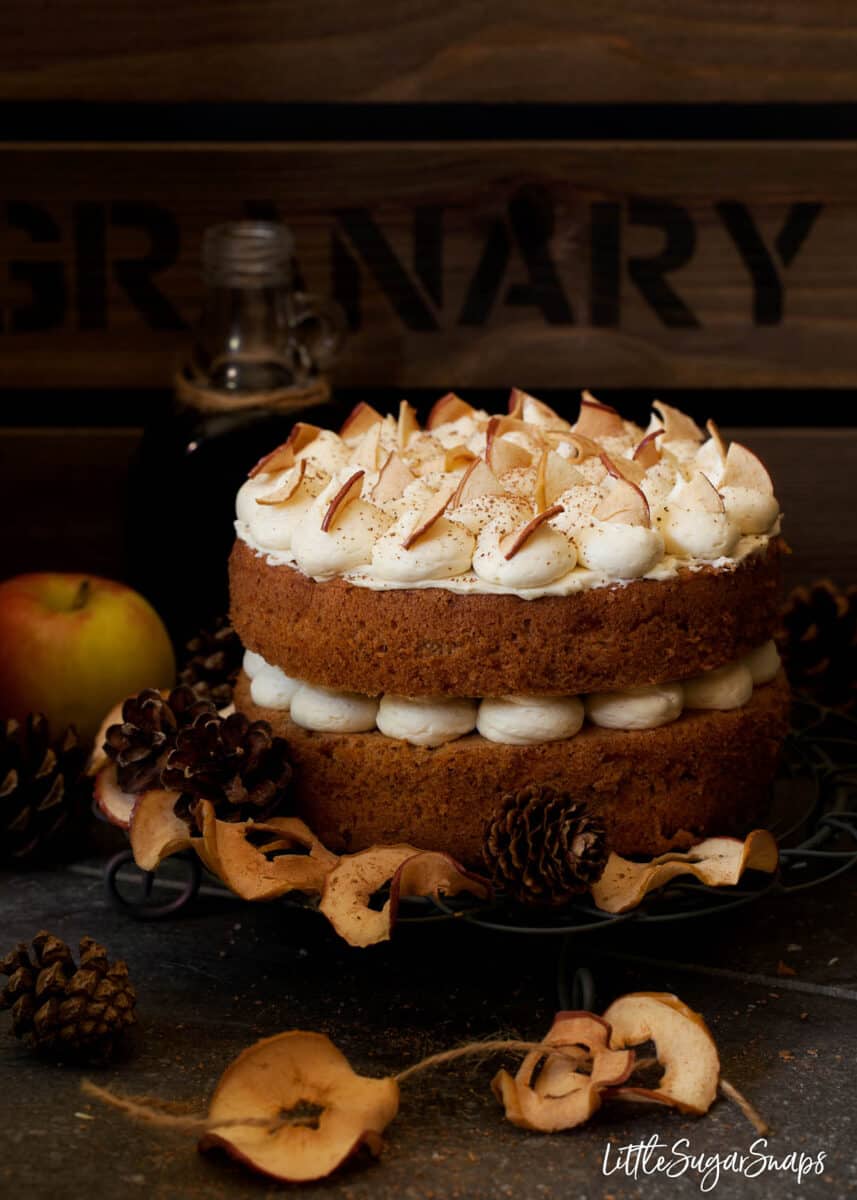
(509, 720)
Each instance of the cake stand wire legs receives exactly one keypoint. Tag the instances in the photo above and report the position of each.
(142, 905)
(575, 985)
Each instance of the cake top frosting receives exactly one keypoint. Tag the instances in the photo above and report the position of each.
(523, 502)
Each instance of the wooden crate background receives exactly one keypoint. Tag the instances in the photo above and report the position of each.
(651, 195)
(476, 264)
(694, 260)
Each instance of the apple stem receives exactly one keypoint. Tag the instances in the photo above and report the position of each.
(82, 595)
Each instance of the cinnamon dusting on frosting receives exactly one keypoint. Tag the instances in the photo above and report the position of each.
(631, 503)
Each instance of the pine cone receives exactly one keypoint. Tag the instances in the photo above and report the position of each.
(140, 744)
(542, 847)
(238, 766)
(212, 660)
(818, 642)
(42, 797)
(73, 1012)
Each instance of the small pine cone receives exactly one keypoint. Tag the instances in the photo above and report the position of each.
(541, 846)
(212, 660)
(236, 764)
(42, 797)
(74, 1012)
(818, 641)
(140, 744)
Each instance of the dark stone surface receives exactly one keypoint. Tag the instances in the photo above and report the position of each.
(212, 981)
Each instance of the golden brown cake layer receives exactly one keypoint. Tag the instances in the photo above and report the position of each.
(424, 642)
(706, 774)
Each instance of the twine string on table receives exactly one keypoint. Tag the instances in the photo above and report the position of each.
(151, 1110)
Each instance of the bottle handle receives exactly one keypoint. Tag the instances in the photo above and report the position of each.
(319, 327)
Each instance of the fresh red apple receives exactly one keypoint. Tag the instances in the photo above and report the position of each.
(71, 646)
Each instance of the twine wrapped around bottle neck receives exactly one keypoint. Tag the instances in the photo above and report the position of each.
(205, 399)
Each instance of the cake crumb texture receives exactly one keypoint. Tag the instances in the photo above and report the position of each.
(428, 642)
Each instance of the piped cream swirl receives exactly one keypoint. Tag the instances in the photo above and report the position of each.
(723, 688)
(636, 708)
(329, 711)
(620, 551)
(546, 555)
(442, 552)
(429, 722)
(528, 720)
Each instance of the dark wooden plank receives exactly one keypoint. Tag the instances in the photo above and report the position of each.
(413, 50)
(62, 494)
(472, 264)
(814, 471)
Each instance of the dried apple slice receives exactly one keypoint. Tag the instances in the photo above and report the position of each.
(285, 455)
(395, 476)
(359, 421)
(206, 846)
(717, 438)
(554, 475)
(457, 457)
(306, 1109)
(407, 424)
(710, 458)
(156, 831)
(116, 805)
(648, 453)
(448, 408)
(349, 886)
(430, 515)
(624, 504)
(501, 454)
(366, 451)
(597, 420)
(98, 759)
(744, 469)
(512, 543)
(677, 425)
(534, 412)
(683, 1045)
(349, 491)
(516, 403)
(623, 468)
(279, 459)
(717, 862)
(288, 856)
(287, 489)
(699, 492)
(568, 1087)
(583, 447)
(433, 873)
(357, 877)
(500, 426)
(478, 480)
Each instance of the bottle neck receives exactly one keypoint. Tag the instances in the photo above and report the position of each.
(243, 342)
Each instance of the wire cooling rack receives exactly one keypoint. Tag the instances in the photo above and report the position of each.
(813, 817)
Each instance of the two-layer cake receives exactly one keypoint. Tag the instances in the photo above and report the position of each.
(435, 617)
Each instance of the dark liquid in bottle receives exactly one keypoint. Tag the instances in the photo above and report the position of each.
(252, 373)
(181, 503)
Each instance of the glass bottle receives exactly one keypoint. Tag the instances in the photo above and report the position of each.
(257, 363)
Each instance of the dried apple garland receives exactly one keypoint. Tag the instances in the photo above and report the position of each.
(292, 1107)
(258, 869)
